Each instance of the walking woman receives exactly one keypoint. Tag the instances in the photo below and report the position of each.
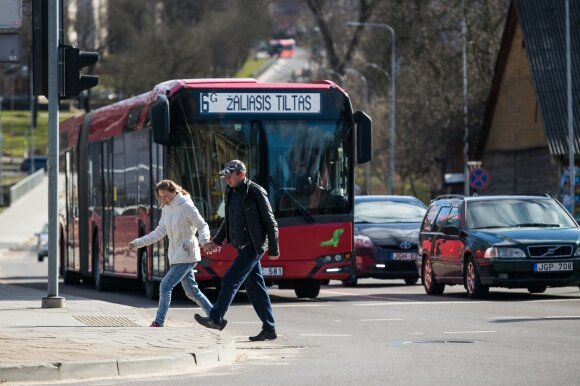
(180, 220)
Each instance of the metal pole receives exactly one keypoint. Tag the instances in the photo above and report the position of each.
(31, 96)
(392, 130)
(465, 109)
(53, 300)
(1, 154)
(570, 115)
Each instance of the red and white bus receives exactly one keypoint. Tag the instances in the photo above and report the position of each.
(284, 48)
(297, 140)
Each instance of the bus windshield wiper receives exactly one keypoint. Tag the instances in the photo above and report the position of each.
(303, 211)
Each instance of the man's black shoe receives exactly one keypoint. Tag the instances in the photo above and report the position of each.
(264, 335)
(207, 322)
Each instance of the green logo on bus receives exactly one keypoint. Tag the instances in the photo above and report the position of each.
(333, 242)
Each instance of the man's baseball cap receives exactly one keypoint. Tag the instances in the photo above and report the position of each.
(234, 165)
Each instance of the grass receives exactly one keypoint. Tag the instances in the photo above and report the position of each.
(16, 140)
(250, 67)
(16, 129)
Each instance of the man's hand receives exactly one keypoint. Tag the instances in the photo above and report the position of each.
(132, 246)
(273, 257)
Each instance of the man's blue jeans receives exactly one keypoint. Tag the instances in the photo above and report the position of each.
(245, 269)
(180, 273)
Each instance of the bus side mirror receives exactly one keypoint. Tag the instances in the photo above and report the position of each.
(159, 114)
(364, 137)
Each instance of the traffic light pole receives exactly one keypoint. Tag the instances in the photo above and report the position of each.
(52, 300)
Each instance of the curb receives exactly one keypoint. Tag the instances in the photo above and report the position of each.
(222, 353)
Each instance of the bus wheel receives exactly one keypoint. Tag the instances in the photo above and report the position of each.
(101, 281)
(307, 288)
(151, 286)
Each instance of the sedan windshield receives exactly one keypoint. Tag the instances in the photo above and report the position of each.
(512, 213)
(388, 212)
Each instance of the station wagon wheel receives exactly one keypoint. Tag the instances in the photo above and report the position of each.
(429, 282)
(475, 290)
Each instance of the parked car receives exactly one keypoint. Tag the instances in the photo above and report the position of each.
(37, 162)
(42, 243)
(386, 237)
(498, 241)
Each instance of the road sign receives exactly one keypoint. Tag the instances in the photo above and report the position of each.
(478, 178)
(9, 48)
(10, 14)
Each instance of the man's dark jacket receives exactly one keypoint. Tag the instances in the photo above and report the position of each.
(262, 225)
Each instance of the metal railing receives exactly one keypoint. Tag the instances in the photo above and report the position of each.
(26, 185)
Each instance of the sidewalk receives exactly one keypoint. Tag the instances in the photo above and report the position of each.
(87, 338)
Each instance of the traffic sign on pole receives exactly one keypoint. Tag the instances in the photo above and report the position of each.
(478, 178)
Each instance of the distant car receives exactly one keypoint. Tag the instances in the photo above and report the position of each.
(42, 243)
(37, 162)
(386, 237)
(498, 241)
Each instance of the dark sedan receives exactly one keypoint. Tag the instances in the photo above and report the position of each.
(498, 241)
(386, 236)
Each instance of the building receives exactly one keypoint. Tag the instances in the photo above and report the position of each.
(524, 137)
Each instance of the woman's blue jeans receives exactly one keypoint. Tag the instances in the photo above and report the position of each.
(245, 269)
(183, 273)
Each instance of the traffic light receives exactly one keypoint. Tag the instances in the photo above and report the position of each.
(73, 61)
(40, 47)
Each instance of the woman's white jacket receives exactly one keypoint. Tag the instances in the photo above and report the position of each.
(180, 219)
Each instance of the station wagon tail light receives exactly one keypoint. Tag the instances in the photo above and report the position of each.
(504, 253)
(361, 241)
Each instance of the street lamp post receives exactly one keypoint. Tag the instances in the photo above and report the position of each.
(367, 165)
(392, 132)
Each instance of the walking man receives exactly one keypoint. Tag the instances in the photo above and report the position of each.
(249, 225)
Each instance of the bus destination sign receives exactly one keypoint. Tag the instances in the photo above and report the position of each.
(265, 103)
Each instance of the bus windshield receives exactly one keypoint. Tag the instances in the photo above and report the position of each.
(304, 165)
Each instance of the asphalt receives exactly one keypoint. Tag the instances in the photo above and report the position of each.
(86, 338)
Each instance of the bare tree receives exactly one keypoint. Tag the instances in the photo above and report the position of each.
(429, 77)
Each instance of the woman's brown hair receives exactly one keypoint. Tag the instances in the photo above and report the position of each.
(170, 186)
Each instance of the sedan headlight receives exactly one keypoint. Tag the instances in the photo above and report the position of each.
(505, 253)
(361, 241)
(577, 253)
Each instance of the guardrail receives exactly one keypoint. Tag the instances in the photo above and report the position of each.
(26, 185)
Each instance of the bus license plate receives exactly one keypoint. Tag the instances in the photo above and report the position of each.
(273, 271)
(553, 267)
(404, 256)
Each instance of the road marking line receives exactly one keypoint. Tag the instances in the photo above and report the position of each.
(359, 296)
(378, 320)
(409, 302)
(536, 317)
(326, 335)
(300, 305)
(415, 333)
(468, 332)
